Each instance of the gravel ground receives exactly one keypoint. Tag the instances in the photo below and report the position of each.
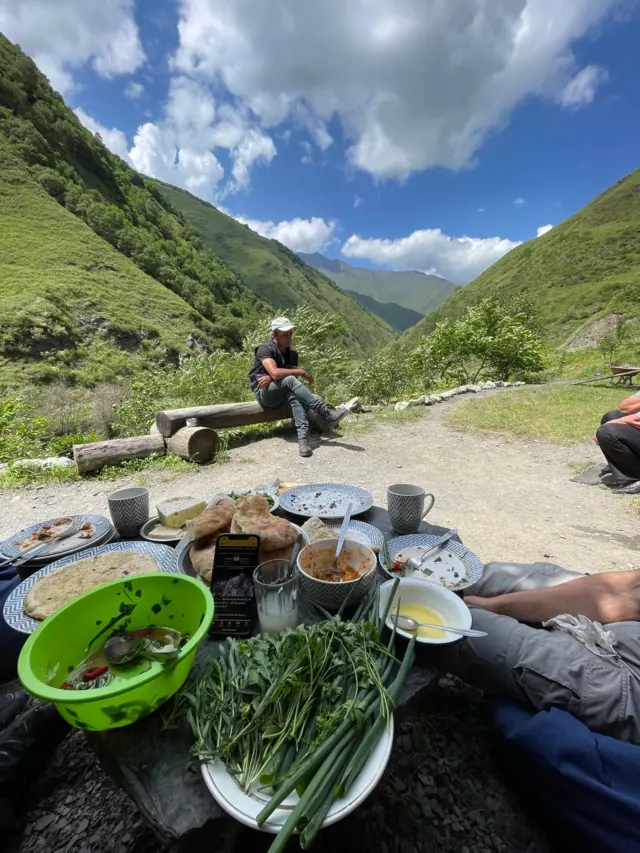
(510, 499)
(441, 793)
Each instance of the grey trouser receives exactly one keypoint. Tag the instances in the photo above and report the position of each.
(294, 393)
(549, 668)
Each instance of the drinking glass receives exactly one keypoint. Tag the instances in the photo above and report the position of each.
(276, 589)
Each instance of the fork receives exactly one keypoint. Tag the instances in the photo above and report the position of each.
(41, 549)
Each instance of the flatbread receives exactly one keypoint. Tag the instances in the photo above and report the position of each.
(317, 530)
(202, 554)
(60, 587)
(212, 520)
(252, 516)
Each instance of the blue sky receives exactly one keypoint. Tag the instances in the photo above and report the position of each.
(431, 135)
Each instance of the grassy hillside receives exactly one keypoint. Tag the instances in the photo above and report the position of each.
(584, 269)
(118, 204)
(414, 290)
(395, 315)
(71, 306)
(275, 273)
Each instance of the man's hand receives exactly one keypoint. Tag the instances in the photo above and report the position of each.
(308, 377)
(264, 382)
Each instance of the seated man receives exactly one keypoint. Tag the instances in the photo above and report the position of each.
(550, 668)
(619, 439)
(275, 381)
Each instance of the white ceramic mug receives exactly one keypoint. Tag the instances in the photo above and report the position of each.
(129, 510)
(406, 506)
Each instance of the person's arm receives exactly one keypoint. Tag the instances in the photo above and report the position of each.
(631, 405)
(630, 420)
(277, 373)
(608, 597)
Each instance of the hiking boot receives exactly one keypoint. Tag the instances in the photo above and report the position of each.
(330, 415)
(304, 448)
(632, 489)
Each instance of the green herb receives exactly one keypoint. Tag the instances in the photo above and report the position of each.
(301, 710)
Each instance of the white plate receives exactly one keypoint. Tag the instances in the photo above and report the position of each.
(454, 566)
(13, 610)
(101, 525)
(325, 500)
(360, 531)
(246, 807)
(146, 531)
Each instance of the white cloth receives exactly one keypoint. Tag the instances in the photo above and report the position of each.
(592, 634)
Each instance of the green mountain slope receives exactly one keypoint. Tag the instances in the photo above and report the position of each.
(117, 203)
(584, 269)
(71, 306)
(395, 315)
(274, 272)
(415, 290)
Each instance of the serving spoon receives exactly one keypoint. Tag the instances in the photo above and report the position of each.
(406, 623)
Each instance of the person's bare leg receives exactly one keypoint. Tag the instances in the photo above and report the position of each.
(610, 597)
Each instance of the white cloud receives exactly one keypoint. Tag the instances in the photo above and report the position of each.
(459, 259)
(155, 153)
(134, 90)
(481, 210)
(519, 201)
(357, 201)
(414, 85)
(581, 89)
(543, 229)
(300, 235)
(62, 36)
(114, 139)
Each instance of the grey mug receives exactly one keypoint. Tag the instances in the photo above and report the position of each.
(129, 510)
(406, 506)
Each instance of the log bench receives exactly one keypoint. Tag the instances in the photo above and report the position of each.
(170, 434)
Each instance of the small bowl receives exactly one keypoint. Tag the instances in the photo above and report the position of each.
(329, 594)
(60, 644)
(447, 604)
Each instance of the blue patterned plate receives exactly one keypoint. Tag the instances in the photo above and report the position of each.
(325, 500)
(367, 534)
(454, 566)
(101, 528)
(13, 612)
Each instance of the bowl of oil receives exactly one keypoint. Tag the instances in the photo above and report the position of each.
(425, 601)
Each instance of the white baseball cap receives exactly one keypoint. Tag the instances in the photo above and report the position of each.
(281, 324)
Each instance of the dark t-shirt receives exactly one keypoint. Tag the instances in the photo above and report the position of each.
(288, 359)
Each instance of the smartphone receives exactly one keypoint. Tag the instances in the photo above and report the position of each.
(236, 557)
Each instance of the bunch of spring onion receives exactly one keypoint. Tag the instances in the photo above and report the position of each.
(301, 711)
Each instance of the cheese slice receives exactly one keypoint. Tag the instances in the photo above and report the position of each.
(177, 511)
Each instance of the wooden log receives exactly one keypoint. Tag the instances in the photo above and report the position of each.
(219, 416)
(153, 429)
(90, 457)
(195, 444)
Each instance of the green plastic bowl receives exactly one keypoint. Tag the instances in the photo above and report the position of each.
(60, 644)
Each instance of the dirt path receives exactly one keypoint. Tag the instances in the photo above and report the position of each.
(510, 499)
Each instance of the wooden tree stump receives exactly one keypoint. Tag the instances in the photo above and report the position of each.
(90, 457)
(195, 444)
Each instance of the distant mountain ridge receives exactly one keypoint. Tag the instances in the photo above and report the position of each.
(408, 289)
(395, 315)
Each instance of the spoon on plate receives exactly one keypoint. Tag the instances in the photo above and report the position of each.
(406, 623)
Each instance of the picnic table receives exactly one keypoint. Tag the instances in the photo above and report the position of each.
(153, 763)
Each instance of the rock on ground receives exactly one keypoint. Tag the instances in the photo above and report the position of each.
(441, 793)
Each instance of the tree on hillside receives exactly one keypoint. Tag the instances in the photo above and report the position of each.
(493, 340)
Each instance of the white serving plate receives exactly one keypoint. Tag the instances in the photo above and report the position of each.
(246, 807)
